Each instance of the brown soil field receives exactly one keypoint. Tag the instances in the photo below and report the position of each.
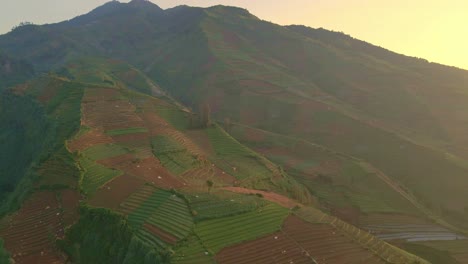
(327, 245)
(166, 237)
(273, 197)
(70, 205)
(382, 219)
(30, 233)
(91, 138)
(112, 194)
(275, 248)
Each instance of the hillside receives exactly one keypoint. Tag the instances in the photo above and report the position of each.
(314, 136)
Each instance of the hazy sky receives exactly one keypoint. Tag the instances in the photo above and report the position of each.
(436, 30)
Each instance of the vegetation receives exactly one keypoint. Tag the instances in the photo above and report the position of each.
(430, 254)
(95, 175)
(218, 233)
(4, 256)
(102, 236)
(175, 157)
(125, 131)
(104, 151)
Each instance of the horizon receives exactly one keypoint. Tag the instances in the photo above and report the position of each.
(422, 29)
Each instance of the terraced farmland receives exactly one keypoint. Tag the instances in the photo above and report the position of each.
(174, 217)
(192, 252)
(210, 206)
(217, 234)
(235, 158)
(126, 131)
(148, 206)
(409, 228)
(95, 175)
(104, 151)
(30, 233)
(458, 249)
(175, 157)
(326, 245)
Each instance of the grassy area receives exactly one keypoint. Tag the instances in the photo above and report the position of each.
(219, 233)
(126, 131)
(174, 116)
(95, 175)
(104, 151)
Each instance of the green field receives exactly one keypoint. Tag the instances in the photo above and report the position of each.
(175, 157)
(234, 158)
(174, 217)
(144, 211)
(191, 252)
(211, 206)
(104, 151)
(95, 175)
(217, 234)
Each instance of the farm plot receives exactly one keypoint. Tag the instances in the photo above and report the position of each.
(30, 233)
(172, 155)
(210, 206)
(104, 151)
(88, 139)
(112, 194)
(95, 175)
(192, 252)
(60, 170)
(458, 249)
(217, 234)
(275, 248)
(136, 199)
(144, 211)
(409, 228)
(174, 217)
(234, 158)
(326, 245)
(127, 131)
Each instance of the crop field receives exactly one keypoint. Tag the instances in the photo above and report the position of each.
(126, 131)
(175, 157)
(104, 151)
(30, 233)
(174, 217)
(70, 200)
(217, 205)
(111, 114)
(217, 234)
(95, 175)
(88, 139)
(59, 170)
(192, 252)
(360, 237)
(326, 245)
(234, 158)
(458, 249)
(147, 207)
(275, 248)
(403, 227)
(113, 193)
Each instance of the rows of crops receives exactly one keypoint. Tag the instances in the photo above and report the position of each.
(234, 158)
(173, 217)
(192, 252)
(126, 131)
(136, 199)
(222, 232)
(95, 175)
(104, 151)
(175, 157)
(210, 206)
(144, 211)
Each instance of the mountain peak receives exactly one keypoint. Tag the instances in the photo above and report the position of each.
(143, 3)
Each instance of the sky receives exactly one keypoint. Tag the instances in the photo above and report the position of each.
(435, 30)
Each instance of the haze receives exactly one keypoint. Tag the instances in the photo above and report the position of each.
(431, 29)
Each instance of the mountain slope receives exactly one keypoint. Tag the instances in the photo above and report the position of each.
(355, 129)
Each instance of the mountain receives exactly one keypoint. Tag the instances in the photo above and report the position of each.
(164, 131)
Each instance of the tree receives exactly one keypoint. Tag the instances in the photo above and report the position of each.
(210, 184)
(205, 115)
